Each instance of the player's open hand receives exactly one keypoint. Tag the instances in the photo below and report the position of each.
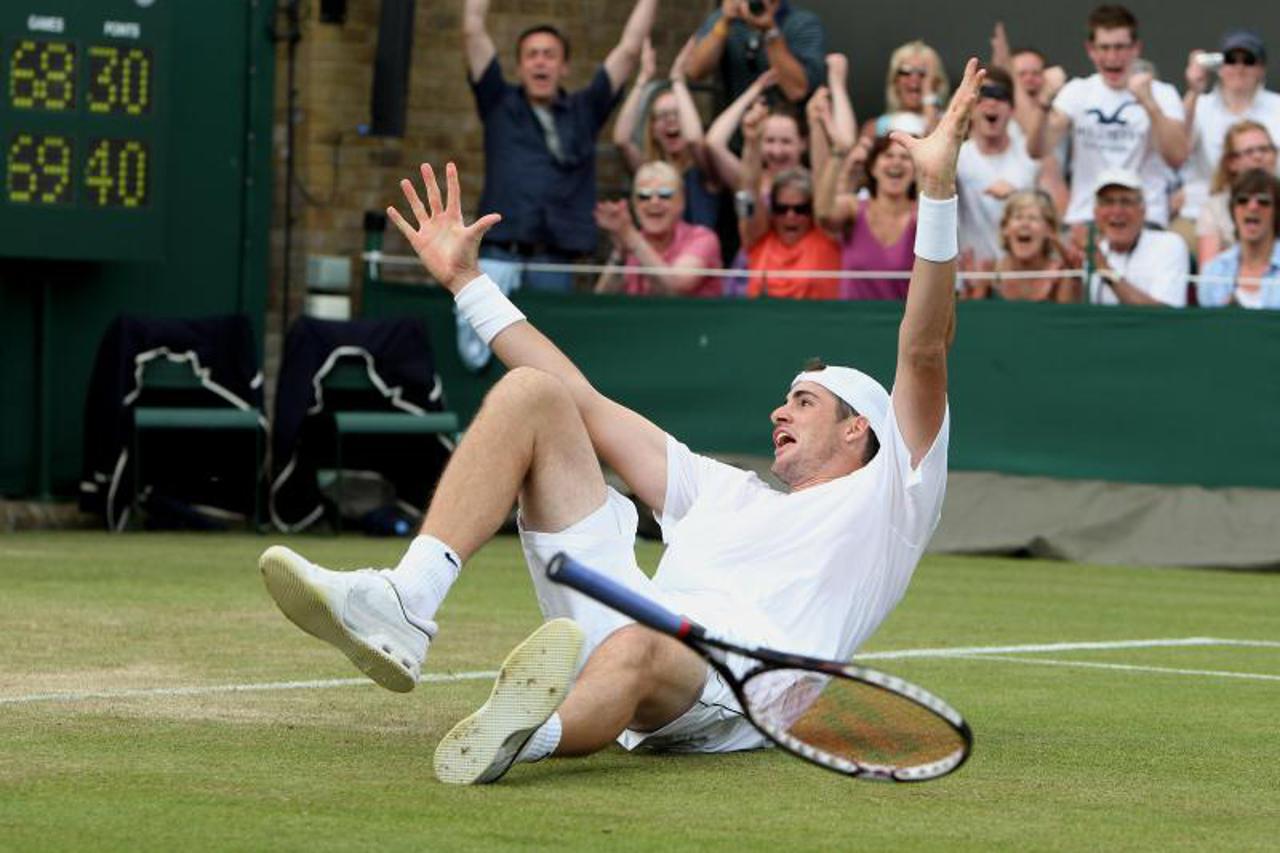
(935, 155)
(447, 247)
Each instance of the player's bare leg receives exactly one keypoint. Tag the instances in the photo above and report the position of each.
(528, 441)
(636, 679)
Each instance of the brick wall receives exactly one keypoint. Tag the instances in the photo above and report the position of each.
(341, 174)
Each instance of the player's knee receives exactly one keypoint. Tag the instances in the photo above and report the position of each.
(634, 649)
(530, 388)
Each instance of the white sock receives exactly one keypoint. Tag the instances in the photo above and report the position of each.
(424, 575)
(544, 741)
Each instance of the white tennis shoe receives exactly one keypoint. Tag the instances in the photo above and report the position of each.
(360, 613)
(532, 683)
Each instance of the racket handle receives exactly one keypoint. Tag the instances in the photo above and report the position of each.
(565, 570)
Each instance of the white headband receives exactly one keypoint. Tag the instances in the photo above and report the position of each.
(867, 396)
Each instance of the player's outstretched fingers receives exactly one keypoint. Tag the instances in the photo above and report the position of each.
(960, 110)
(407, 230)
(482, 225)
(433, 189)
(415, 201)
(453, 203)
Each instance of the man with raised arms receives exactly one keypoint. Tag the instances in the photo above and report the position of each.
(813, 570)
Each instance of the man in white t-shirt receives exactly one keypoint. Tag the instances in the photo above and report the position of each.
(813, 570)
(1117, 119)
(1239, 95)
(1135, 265)
(992, 166)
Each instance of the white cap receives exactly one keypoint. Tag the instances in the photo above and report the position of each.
(867, 396)
(1117, 177)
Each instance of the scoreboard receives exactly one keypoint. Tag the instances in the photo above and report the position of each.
(83, 123)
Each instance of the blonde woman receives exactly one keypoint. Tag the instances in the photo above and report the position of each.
(672, 131)
(1029, 232)
(658, 238)
(916, 89)
(1248, 146)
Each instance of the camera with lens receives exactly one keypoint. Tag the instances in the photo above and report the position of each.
(1210, 61)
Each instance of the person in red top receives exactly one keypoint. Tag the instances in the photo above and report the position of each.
(662, 240)
(785, 236)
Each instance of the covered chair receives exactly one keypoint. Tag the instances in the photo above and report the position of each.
(361, 394)
(186, 394)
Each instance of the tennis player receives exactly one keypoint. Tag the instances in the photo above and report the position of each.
(814, 570)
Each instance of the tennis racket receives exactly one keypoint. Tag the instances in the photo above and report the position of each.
(850, 719)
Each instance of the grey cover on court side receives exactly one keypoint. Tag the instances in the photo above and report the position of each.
(1092, 521)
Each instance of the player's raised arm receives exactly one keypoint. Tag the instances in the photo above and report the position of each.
(928, 323)
(449, 249)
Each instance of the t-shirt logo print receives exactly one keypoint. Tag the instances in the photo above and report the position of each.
(1115, 117)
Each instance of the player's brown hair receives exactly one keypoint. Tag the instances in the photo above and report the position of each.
(844, 410)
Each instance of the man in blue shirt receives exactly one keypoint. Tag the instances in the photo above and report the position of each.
(745, 39)
(540, 141)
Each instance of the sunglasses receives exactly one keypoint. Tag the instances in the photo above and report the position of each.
(666, 194)
(908, 71)
(1263, 201)
(1240, 57)
(803, 209)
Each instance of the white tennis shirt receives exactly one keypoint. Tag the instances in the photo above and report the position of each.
(814, 571)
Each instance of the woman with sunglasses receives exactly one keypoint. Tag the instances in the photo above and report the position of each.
(784, 236)
(672, 132)
(916, 89)
(1248, 274)
(1248, 145)
(877, 233)
(1239, 95)
(661, 240)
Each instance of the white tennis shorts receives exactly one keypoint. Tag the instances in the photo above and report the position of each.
(606, 541)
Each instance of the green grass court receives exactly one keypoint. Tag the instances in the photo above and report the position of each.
(104, 747)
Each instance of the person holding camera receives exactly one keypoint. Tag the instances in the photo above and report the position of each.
(1240, 67)
(745, 38)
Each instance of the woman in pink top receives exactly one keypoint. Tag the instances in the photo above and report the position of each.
(661, 240)
(878, 233)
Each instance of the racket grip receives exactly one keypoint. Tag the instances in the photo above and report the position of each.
(563, 569)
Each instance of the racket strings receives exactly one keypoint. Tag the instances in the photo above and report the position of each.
(849, 720)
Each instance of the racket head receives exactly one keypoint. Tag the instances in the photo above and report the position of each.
(857, 721)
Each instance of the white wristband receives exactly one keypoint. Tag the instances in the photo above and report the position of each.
(486, 308)
(937, 239)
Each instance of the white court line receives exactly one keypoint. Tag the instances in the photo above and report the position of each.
(1063, 647)
(967, 652)
(144, 692)
(1125, 667)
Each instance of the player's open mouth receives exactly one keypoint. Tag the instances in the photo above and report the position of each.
(781, 439)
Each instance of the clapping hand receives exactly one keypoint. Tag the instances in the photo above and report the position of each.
(614, 218)
(447, 247)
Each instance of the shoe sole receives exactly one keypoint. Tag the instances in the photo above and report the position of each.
(306, 607)
(533, 681)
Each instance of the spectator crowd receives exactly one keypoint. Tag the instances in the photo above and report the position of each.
(1111, 188)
